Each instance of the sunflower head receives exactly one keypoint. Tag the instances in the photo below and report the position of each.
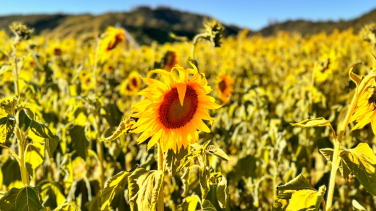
(170, 60)
(224, 87)
(113, 37)
(173, 111)
(131, 85)
(365, 111)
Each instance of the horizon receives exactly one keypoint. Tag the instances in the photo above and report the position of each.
(319, 11)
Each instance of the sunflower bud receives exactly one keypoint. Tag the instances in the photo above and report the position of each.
(214, 29)
(21, 31)
(8, 105)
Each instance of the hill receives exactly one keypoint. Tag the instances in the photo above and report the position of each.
(146, 24)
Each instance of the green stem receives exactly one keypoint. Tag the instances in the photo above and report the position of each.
(195, 41)
(160, 204)
(100, 158)
(337, 148)
(21, 144)
(100, 150)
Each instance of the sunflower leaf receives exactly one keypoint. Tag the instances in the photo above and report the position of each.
(114, 185)
(204, 175)
(27, 200)
(208, 206)
(6, 128)
(298, 194)
(144, 189)
(222, 192)
(124, 127)
(215, 150)
(34, 156)
(362, 163)
(357, 207)
(185, 180)
(173, 159)
(190, 203)
(318, 122)
(8, 200)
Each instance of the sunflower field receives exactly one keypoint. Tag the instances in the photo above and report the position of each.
(285, 122)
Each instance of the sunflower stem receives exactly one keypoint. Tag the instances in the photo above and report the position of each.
(160, 204)
(336, 153)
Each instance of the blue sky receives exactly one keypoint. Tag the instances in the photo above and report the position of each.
(253, 14)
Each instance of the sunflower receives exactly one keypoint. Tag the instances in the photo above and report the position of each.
(112, 38)
(224, 87)
(131, 85)
(170, 60)
(365, 111)
(173, 110)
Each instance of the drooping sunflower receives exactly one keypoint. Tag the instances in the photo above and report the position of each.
(173, 110)
(112, 38)
(365, 111)
(224, 87)
(131, 85)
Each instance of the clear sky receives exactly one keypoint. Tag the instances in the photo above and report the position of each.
(253, 14)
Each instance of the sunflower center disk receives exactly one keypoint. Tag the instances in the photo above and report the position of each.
(134, 82)
(172, 114)
(222, 85)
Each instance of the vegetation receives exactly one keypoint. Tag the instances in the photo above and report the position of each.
(285, 122)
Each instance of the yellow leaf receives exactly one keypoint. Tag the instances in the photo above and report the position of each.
(298, 195)
(362, 163)
(318, 122)
(357, 206)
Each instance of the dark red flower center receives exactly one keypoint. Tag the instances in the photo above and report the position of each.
(118, 39)
(172, 114)
(134, 82)
(222, 85)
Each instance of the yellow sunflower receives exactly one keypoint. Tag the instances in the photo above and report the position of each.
(131, 85)
(365, 111)
(113, 37)
(224, 87)
(174, 109)
(170, 60)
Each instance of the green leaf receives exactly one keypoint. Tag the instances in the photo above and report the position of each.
(11, 174)
(204, 173)
(222, 192)
(52, 195)
(354, 77)
(158, 184)
(34, 156)
(357, 207)
(298, 195)
(51, 144)
(114, 185)
(208, 206)
(185, 181)
(328, 154)
(362, 163)
(215, 150)
(124, 127)
(6, 128)
(80, 142)
(28, 200)
(144, 188)
(43, 131)
(112, 114)
(8, 200)
(318, 122)
(173, 160)
(190, 203)
(133, 186)
(66, 207)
